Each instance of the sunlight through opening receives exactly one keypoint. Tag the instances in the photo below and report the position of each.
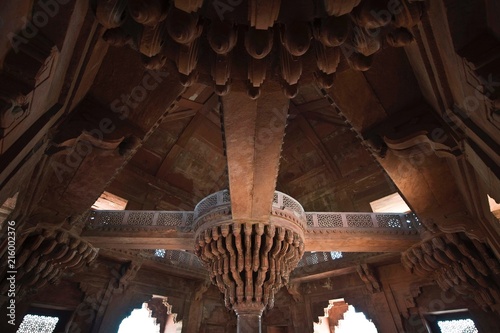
(355, 322)
(140, 320)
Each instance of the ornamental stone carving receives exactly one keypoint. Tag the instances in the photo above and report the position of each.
(458, 263)
(267, 40)
(45, 255)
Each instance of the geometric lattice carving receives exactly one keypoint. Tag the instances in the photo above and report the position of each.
(329, 220)
(226, 197)
(34, 323)
(179, 258)
(359, 221)
(309, 220)
(461, 325)
(388, 221)
(284, 201)
(209, 203)
(412, 221)
(112, 218)
(313, 258)
(140, 218)
(103, 218)
(171, 219)
(293, 205)
(275, 198)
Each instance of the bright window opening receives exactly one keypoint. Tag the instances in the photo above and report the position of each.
(344, 318)
(457, 326)
(392, 203)
(335, 255)
(7, 207)
(109, 201)
(313, 257)
(355, 322)
(494, 207)
(37, 324)
(160, 253)
(140, 320)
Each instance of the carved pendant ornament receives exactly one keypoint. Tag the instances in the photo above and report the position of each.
(248, 261)
(45, 255)
(458, 263)
(219, 43)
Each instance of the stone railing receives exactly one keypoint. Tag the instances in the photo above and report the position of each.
(176, 257)
(140, 218)
(321, 220)
(315, 220)
(208, 204)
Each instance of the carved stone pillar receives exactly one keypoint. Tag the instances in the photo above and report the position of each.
(249, 262)
(249, 318)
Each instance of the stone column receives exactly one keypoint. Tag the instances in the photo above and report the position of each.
(249, 317)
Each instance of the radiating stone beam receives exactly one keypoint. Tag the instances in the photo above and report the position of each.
(170, 239)
(254, 131)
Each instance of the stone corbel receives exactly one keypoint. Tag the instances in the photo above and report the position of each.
(418, 143)
(127, 273)
(201, 290)
(12, 112)
(368, 275)
(293, 289)
(418, 131)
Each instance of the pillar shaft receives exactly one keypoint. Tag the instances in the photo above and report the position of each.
(249, 323)
(249, 317)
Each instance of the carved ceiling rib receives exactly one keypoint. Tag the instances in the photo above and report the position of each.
(311, 135)
(254, 131)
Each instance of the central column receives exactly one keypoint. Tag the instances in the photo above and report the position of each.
(249, 318)
(248, 247)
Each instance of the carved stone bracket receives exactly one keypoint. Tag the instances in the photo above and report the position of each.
(459, 263)
(293, 289)
(45, 255)
(127, 274)
(368, 275)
